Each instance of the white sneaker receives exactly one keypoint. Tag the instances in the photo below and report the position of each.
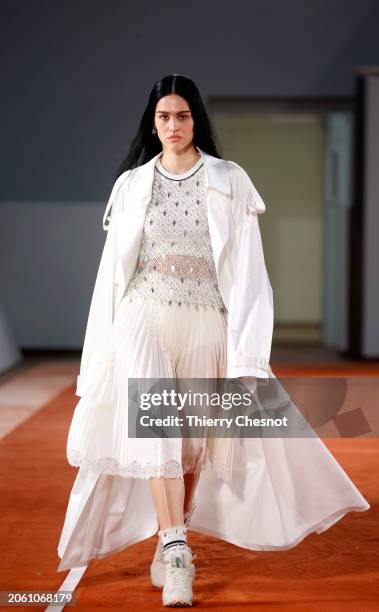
(158, 565)
(180, 573)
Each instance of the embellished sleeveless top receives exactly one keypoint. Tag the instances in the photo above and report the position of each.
(175, 264)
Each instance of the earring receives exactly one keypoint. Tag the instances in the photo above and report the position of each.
(153, 131)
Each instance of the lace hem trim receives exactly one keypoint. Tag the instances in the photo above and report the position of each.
(169, 469)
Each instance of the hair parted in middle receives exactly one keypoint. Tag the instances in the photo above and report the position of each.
(146, 144)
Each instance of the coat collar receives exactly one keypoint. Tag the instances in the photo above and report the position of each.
(215, 171)
(142, 177)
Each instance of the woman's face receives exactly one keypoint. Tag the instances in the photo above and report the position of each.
(173, 117)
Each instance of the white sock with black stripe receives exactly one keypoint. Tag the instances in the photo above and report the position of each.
(175, 548)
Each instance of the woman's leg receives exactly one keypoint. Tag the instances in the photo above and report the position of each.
(173, 497)
(168, 495)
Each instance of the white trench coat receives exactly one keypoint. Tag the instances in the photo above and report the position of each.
(264, 510)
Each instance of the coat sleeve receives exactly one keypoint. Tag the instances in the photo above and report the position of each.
(102, 306)
(251, 312)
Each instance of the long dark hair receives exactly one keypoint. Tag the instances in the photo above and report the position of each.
(146, 145)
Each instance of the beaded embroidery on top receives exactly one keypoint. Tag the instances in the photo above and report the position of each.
(175, 263)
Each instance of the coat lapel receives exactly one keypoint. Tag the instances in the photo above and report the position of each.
(131, 220)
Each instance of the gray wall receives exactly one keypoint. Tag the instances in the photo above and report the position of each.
(75, 78)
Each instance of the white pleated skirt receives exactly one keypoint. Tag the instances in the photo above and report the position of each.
(151, 340)
(257, 493)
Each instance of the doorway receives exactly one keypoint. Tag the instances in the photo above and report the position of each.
(298, 155)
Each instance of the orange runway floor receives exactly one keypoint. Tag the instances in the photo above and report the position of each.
(333, 571)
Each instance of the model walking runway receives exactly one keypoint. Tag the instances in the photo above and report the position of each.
(183, 292)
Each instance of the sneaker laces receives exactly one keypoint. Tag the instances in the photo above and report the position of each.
(180, 576)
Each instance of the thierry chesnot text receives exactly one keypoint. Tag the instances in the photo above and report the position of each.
(202, 421)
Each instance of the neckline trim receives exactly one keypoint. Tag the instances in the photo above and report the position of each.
(183, 175)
